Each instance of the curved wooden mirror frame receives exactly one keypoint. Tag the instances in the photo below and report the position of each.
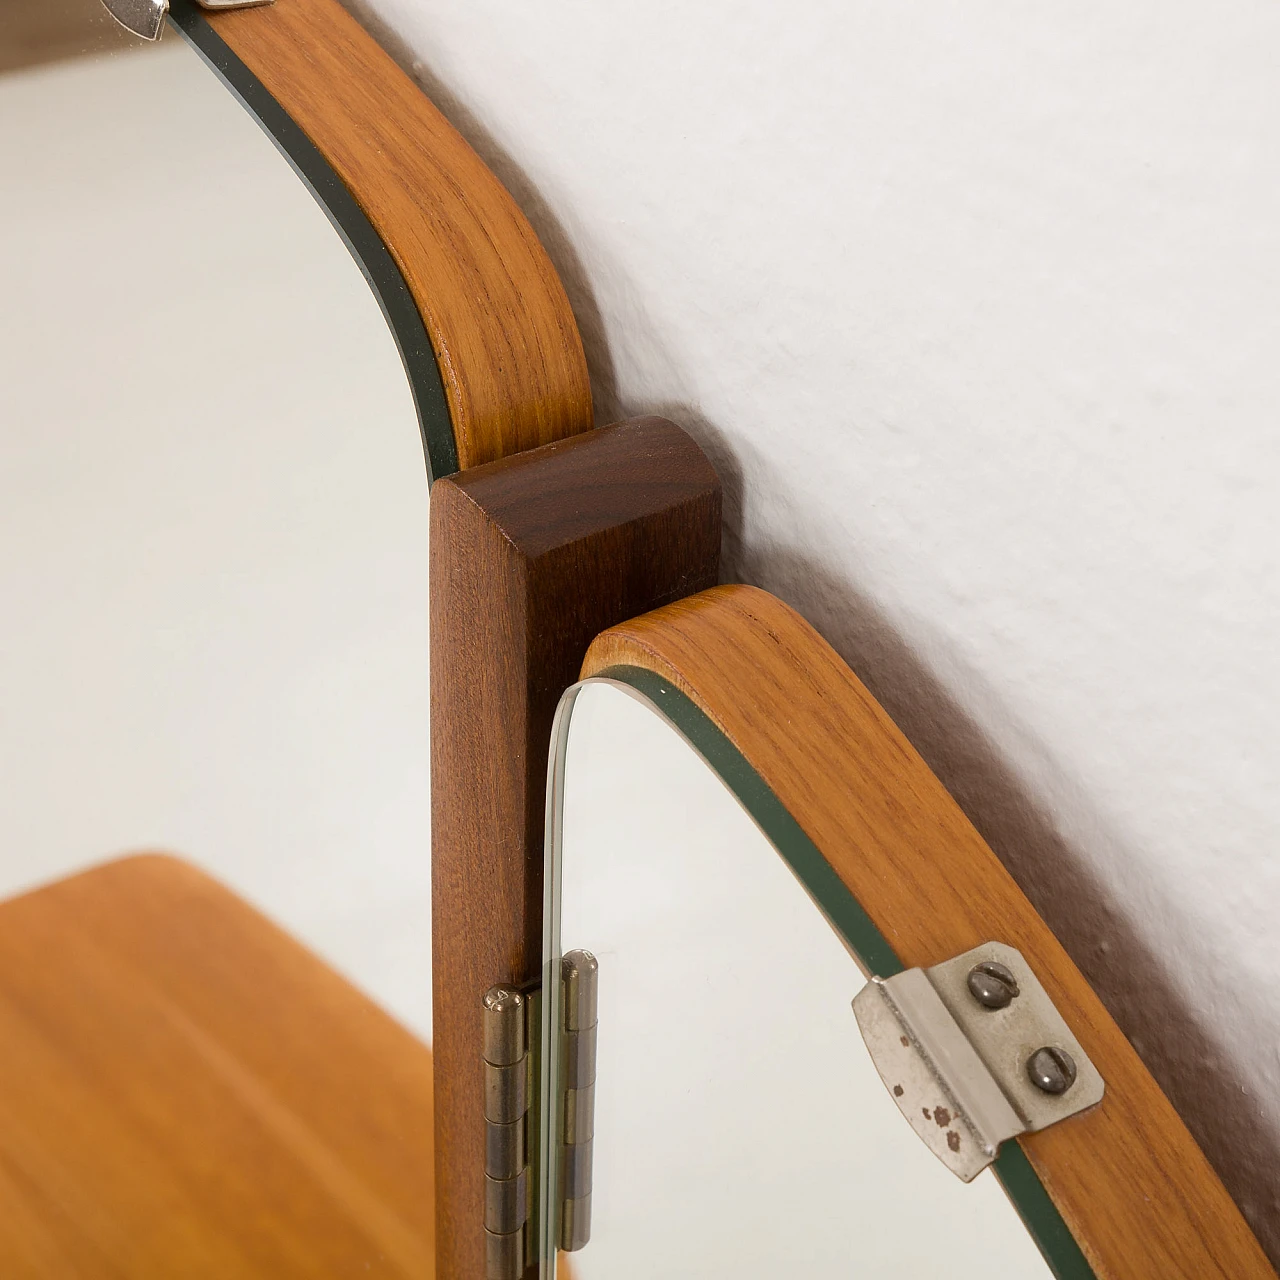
(763, 696)
(501, 368)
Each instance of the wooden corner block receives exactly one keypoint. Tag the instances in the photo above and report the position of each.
(531, 558)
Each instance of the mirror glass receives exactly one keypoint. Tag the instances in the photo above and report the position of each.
(741, 1129)
(213, 508)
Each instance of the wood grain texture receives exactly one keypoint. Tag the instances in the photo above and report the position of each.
(504, 336)
(530, 559)
(1127, 1177)
(185, 1091)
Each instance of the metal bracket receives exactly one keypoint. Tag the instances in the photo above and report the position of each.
(145, 18)
(974, 1052)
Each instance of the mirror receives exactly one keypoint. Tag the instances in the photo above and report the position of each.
(213, 514)
(740, 1126)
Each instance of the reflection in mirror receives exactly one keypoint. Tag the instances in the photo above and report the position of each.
(740, 1126)
(213, 511)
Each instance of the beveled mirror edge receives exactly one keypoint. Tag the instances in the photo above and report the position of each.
(865, 942)
(349, 220)
(779, 698)
(504, 338)
(482, 322)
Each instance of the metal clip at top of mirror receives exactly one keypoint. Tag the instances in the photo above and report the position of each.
(145, 18)
(974, 1052)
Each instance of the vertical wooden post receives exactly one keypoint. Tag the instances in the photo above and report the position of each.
(531, 557)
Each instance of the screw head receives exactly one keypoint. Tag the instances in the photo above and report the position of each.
(1051, 1069)
(992, 985)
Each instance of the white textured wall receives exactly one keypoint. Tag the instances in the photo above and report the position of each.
(976, 307)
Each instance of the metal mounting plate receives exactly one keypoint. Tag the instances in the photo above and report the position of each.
(957, 1069)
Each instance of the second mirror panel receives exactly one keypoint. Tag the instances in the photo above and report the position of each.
(213, 508)
(741, 1129)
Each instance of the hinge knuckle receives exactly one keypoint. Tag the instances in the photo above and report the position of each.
(504, 1255)
(580, 971)
(505, 1147)
(506, 1092)
(504, 1026)
(580, 1058)
(579, 1115)
(575, 1223)
(575, 1171)
(506, 1200)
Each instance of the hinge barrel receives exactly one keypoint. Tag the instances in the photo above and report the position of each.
(579, 977)
(507, 1092)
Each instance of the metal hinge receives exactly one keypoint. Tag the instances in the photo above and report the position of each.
(511, 1090)
(974, 1052)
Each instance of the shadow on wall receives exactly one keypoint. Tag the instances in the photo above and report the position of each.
(1130, 979)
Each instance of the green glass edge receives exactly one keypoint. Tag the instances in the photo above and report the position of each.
(349, 220)
(834, 900)
(1020, 1181)
(1040, 1215)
